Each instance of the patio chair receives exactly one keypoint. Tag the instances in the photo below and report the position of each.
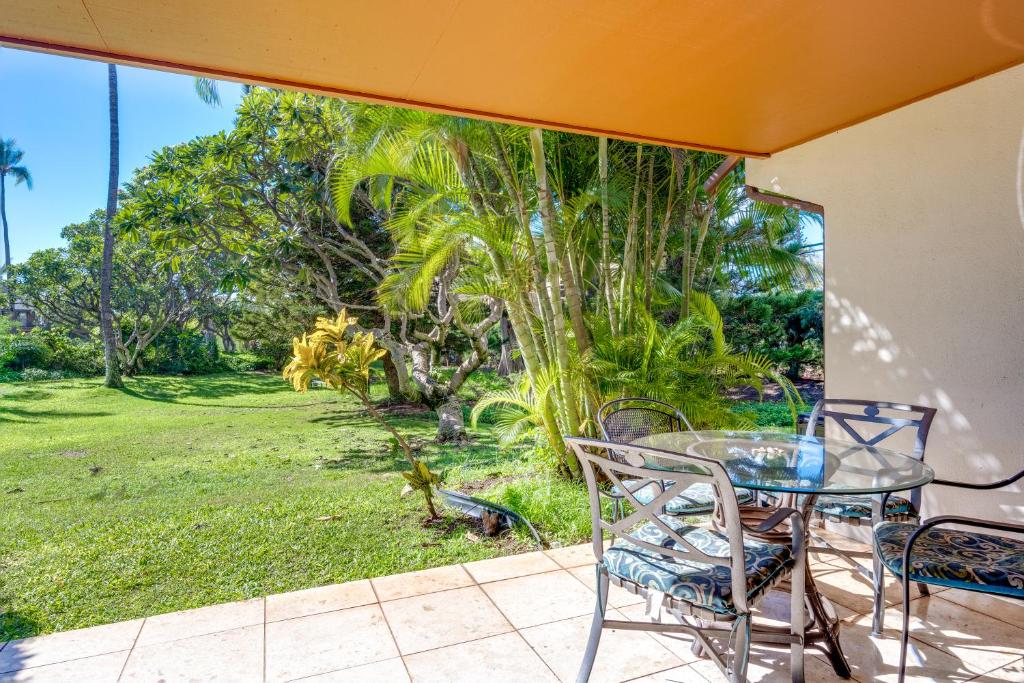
(984, 563)
(712, 576)
(870, 423)
(624, 421)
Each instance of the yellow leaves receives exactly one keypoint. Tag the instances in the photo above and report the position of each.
(326, 354)
(421, 478)
(310, 359)
(333, 331)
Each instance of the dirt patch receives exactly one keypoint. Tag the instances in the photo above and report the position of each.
(73, 454)
(478, 485)
(404, 409)
(810, 389)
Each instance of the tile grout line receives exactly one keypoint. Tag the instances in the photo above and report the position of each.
(972, 609)
(130, 650)
(1019, 660)
(391, 631)
(344, 668)
(514, 629)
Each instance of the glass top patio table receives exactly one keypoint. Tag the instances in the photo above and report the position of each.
(790, 463)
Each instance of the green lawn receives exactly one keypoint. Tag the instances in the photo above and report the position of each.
(181, 492)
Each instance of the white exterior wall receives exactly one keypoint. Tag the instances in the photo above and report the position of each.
(924, 273)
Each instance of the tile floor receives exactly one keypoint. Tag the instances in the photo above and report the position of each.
(520, 618)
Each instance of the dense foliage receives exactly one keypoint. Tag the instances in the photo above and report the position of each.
(786, 328)
(593, 266)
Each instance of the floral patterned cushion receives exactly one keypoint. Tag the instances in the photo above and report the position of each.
(696, 499)
(859, 506)
(706, 585)
(949, 557)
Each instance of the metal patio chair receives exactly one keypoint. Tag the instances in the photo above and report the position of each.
(708, 579)
(984, 563)
(624, 421)
(870, 423)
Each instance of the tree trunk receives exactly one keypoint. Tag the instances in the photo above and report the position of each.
(451, 427)
(649, 235)
(545, 202)
(659, 255)
(507, 364)
(7, 238)
(629, 252)
(606, 240)
(391, 376)
(227, 340)
(113, 371)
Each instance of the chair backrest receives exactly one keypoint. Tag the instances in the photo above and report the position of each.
(625, 420)
(875, 423)
(597, 466)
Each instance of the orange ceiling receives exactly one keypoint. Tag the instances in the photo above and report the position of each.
(741, 76)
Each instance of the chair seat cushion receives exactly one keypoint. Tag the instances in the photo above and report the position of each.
(704, 585)
(696, 499)
(860, 506)
(948, 557)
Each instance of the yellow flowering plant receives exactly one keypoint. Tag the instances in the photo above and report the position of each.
(342, 361)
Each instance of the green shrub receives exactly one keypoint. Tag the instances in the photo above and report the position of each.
(766, 414)
(41, 375)
(249, 362)
(71, 354)
(26, 351)
(184, 352)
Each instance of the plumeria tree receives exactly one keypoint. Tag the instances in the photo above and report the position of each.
(341, 357)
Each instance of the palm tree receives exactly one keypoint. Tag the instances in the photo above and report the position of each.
(10, 165)
(208, 92)
(113, 370)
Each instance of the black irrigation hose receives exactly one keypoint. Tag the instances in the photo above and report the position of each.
(472, 506)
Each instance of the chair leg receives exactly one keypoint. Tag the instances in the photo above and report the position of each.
(797, 581)
(877, 574)
(741, 651)
(878, 606)
(905, 634)
(596, 626)
(695, 647)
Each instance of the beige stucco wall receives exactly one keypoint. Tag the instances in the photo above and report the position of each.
(924, 273)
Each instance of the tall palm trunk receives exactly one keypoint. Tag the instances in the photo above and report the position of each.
(546, 204)
(113, 371)
(626, 284)
(7, 239)
(606, 236)
(649, 235)
(667, 222)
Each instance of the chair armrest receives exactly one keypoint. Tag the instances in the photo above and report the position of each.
(773, 520)
(952, 519)
(982, 487)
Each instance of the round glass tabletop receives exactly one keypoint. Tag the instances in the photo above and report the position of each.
(793, 463)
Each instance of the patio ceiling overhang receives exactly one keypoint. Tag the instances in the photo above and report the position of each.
(746, 78)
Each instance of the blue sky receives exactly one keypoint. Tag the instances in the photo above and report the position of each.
(56, 110)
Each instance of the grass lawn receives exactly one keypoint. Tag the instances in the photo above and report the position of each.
(181, 492)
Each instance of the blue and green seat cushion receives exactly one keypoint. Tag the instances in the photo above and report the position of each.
(954, 558)
(706, 586)
(859, 507)
(695, 499)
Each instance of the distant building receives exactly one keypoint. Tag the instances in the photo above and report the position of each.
(27, 317)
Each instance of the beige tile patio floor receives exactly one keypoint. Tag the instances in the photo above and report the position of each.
(520, 618)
